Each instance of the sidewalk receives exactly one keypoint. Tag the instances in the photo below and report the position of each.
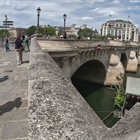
(13, 96)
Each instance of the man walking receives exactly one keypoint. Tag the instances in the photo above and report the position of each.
(7, 44)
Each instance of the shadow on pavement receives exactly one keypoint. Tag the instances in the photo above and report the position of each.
(10, 105)
(4, 78)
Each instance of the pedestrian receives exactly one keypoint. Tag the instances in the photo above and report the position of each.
(7, 44)
(27, 42)
(24, 43)
(19, 49)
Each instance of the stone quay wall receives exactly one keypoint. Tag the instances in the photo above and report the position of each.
(57, 111)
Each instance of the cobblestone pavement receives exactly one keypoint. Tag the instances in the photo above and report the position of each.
(13, 96)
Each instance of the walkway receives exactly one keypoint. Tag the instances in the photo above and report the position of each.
(13, 96)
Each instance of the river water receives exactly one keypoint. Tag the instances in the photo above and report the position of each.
(100, 98)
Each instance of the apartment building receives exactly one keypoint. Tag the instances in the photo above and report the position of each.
(122, 30)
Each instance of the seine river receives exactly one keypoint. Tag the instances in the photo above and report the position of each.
(100, 98)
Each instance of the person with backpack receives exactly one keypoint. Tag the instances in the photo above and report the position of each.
(19, 49)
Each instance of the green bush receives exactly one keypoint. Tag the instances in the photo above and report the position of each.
(120, 96)
(119, 101)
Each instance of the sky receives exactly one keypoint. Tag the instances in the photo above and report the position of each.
(93, 13)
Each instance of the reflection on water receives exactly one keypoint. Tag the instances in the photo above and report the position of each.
(100, 98)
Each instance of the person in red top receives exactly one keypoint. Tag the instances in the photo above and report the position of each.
(19, 49)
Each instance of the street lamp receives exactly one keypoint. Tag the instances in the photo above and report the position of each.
(64, 16)
(6, 23)
(38, 14)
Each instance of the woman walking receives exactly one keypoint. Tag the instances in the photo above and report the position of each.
(19, 49)
(24, 43)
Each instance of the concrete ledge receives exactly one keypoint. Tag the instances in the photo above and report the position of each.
(57, 111)
(128, 128)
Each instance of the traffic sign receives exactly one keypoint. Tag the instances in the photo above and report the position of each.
(4, 26)
(8, 22)
(5, 23)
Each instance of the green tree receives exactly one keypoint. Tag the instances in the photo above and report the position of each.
(61, 32)
(86, 32)
(3, 33)
(49, 31)
(31, 30)
(99, 37)
(110, 36)
(120, 96)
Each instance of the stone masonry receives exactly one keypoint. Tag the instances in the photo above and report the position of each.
(57, 111)
(13, 96)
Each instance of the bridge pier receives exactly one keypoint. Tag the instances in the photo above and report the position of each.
(114, 70)
(139, 58)
(132, 64)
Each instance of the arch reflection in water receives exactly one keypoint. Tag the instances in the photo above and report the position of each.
(89, 80)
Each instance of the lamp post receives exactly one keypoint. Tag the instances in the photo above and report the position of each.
(64, 16)
(38, 14)
(6, 18)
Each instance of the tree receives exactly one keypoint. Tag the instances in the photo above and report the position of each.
(86, 32)
(3, 33)
(99, 37)
(49, 31)
(111, 36)
(31, 30)
(60, 32)
(120, 96)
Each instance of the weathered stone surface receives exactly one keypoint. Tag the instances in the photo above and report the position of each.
(57, 111)
(128, 128)
(15, 130)
(114, 60)
(13, 86)
(14, 115)
(132, 55)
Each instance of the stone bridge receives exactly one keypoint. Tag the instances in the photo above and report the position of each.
(96, 61)
(57, 111)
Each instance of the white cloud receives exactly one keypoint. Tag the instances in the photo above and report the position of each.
(87, 18)
(80, 12)
(116, 1)
(135, 1)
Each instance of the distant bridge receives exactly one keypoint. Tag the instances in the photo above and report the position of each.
(94, 60)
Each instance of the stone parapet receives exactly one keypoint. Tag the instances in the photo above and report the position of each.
(57, 111)
(128, 128)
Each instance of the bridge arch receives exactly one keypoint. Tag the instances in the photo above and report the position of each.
(124, 60)
(137, 54)
(93, 71)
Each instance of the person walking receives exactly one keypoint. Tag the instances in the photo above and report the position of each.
(7, 44)
(27, 42)
(24, 43)
(19, 49)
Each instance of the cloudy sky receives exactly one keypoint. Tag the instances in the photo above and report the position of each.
(91, 12)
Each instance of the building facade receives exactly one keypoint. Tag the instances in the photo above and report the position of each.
(15, 31)
(122, 30)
